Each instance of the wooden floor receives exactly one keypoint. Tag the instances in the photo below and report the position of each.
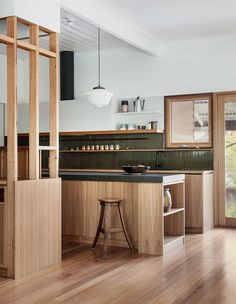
(203, 271)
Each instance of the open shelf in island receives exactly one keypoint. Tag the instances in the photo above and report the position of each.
(174, 219)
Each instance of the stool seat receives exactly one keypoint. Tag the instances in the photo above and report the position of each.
(109, 200)
(104, 225)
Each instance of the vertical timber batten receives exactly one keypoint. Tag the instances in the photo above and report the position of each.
(54, 155)
(34, 105)
(11, 142)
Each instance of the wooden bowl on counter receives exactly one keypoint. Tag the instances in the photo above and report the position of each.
(140, 169)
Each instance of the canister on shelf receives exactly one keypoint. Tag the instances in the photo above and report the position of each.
(153, 125)
(124, 106)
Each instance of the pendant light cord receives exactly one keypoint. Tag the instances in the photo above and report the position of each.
(99, 56)
(99, 61)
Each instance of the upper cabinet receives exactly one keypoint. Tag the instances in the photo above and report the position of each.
(188, 121)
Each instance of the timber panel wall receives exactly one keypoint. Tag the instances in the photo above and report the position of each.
(81, 209)
(38, 225)
(141, 206)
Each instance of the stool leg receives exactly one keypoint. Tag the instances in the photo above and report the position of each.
(99, 227)
(107, 227)
(125, 231)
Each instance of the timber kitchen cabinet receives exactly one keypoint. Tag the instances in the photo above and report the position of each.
(199, 202)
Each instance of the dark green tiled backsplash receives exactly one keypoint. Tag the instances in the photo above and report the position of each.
(185, 160)
(106, 160)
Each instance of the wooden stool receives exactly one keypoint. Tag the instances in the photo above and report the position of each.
(104, 225)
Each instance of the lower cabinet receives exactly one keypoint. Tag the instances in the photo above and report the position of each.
(199, 214)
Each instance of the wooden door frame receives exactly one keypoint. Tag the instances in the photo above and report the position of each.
(219, 161)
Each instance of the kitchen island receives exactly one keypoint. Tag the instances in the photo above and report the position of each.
(150, 229)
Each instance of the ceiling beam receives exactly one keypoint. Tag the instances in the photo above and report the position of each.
(108, 21)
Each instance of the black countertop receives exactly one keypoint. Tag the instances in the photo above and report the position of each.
(122, 177)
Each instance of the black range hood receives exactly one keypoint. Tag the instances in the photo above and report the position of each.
(67, 75)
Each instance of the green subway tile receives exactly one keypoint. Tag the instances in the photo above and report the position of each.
(175, 160)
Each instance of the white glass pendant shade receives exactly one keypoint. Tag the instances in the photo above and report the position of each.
(99, 97)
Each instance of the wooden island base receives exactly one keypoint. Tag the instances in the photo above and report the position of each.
(150, 230)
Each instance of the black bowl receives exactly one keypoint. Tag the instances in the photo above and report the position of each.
(135, 169)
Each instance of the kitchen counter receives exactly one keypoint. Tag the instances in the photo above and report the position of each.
(148, 172)
(122, 177)
(142, 196)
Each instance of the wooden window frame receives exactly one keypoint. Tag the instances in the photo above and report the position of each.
(168, 100)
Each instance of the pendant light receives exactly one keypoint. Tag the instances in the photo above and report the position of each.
(99, 96)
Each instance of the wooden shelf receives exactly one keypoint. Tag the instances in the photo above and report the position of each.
(128, 150)
(107, 151)
(173, 211)
(139, 113)
(147, 131)
(47, 148)
(170, 239)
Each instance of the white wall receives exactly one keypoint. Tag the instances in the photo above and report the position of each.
(45, 13)
(203, 65)
(185, 67)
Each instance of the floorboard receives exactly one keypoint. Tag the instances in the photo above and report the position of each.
(203, 271)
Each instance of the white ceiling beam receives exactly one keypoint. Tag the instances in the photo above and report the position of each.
(110, 22)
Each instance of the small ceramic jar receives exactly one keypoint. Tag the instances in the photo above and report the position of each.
(88, 148)
(167, 200)
(106, 147)
(117, 147)
(92, 147)
(83, 148)
(111, 147)
(101, 147)
(97, 147)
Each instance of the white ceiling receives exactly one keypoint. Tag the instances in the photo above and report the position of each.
(171, 20)
(82, 36)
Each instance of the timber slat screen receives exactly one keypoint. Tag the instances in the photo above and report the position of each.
(8, 257)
